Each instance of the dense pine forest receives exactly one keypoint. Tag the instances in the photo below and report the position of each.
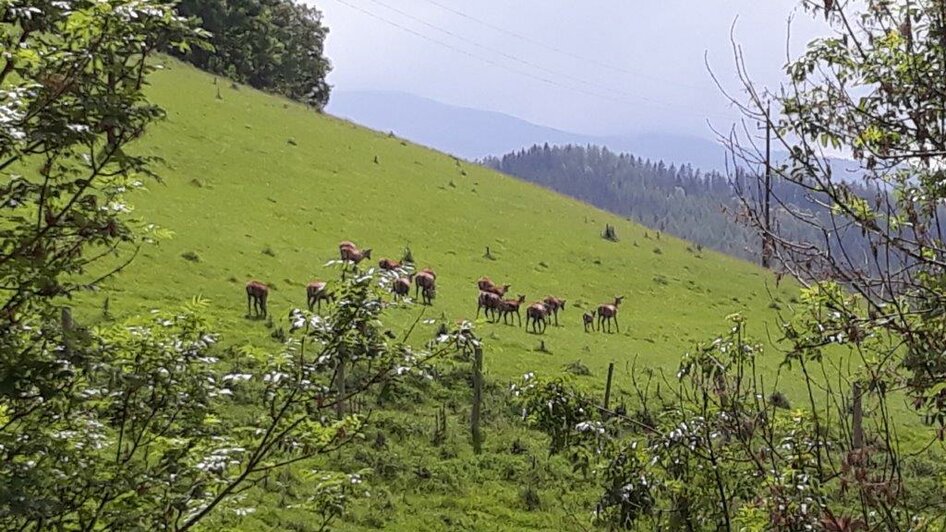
(681, 200)
(702, 207)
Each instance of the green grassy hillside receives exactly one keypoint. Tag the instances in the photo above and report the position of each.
(259, 187)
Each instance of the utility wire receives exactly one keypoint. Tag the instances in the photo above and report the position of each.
(508, 68)
(511, 57)
(558, 50)
(474, 56)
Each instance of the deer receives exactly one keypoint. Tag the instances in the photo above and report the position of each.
(508, 307)
(488, 301)
(402, 286)
(349, 252)
(428, 294)
(424, 280)
(536, 314)
(389, 264)
(256, 295)
(316, 292)
(588, 318)
(486, 284)
(609, 312)
(554, 305)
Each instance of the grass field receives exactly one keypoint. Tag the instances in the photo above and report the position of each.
(259, 187)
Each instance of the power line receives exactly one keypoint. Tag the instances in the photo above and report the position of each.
(512, 57)
(558, 50)
(492, 62)
(474, 56)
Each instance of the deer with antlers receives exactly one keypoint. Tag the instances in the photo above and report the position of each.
(608, 313)
(256, 295)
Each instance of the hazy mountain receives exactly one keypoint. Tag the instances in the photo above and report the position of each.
(474, 133)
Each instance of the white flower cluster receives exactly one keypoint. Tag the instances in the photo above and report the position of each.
(590, 426)
(219, 459)
(13, 110)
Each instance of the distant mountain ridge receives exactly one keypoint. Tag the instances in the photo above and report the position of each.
(476, 134)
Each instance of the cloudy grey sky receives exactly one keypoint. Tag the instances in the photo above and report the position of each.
(590, 66)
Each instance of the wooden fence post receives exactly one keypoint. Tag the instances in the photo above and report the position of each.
(477, 400)
(607, 387)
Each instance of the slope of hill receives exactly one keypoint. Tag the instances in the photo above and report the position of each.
(260, 187)
(256, 186)
(475, 133)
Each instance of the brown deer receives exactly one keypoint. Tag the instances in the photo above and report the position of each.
(488, 301)
(425, 279)
(608, 313)
(499, 290)
(349, 252)
(316, 292)
(486, 284)
(256, 295)
(508, 307)
(588, 318)
(554, 305)
(428, 294)
(402, 286)
(536, 314)
(389, 264)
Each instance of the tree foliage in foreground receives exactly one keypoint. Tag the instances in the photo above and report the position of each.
(273, 45)
(133, 425)
(874, 87)
(719, 446)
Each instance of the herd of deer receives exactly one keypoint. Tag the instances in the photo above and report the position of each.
(490, 300)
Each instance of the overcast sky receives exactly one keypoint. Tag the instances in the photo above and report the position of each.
(589, 66)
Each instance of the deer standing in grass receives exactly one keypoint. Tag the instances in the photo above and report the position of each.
(256, 295)
(486, 284)
(609, 313)
(402, 286)
(349, 252)
(536, 314)
(428, 294)
(508, 307)
(588, 318)
(488, 301)
(316, 292)
(389, 264)
(425, 281)
(554, 305)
